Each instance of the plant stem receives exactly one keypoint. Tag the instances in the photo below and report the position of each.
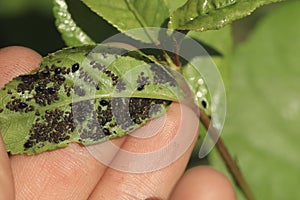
(229, 162)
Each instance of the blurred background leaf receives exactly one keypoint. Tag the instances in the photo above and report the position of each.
(71, 33)
(262, 128)
(199, 15)
(29, 23)
(16, 7)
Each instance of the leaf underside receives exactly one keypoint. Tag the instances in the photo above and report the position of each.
(71, 33)
(199, 15)
(85, 94)
(127, 15)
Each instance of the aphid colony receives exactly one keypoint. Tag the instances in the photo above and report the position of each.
(57, 98)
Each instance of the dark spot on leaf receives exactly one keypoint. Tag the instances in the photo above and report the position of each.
(108, 72)
(103, 102)
(57, 70)
(203, 103)
(45, 73)
(51, 90)
(37, 113)
(114, 77)
(103, 121)
(121, 85)
(142, 81)
(106, 131)
(140, 87)
(79, 91)
(29, 109)
(75, 67)
(22, 105)
(161, 75)
(40, 88)
(28, 145)
(59, 77)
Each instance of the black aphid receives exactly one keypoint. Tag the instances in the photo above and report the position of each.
(103, 102)
(59, 77)
(75, 67)
(45, 73)
(37, 113)
(51, 90)
(22, 105)
(57, 70)
(140, 87)
(28, 145)
(204, 104)
(103, 121)
(40, 88)
(106, 131)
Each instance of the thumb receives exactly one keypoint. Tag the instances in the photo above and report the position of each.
(13, 62)
(17, 60)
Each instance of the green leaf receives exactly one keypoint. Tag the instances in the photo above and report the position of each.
(84, 94)
(131, 14)
(197, 84)
(174, 4)
(262, 129)
(218, 43)
(97, 28)
(71, 33)
(19, 7)
(199, 15)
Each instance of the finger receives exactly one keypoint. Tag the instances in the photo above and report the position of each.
(9, 69)
(203, 183)
(6, 178)
(69, 173)
(15, 61)
(154, 182)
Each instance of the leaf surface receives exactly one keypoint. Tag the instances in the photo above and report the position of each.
(131, 14)
(84, 94)
(202, 15)
(71, 33)
(262, 129)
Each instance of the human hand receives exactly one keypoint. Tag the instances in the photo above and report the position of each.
(73, 173)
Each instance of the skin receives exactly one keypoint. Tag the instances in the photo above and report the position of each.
(73, 173)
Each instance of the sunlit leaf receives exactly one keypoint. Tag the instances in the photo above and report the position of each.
(130, 14)
(174, 4)
(84, 94)
(199, 15)
(262, 129)
(71, 33)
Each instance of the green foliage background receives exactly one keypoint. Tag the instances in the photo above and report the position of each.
(262, 129)
(262, 79)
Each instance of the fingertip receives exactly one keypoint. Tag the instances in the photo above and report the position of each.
(203, 183)
(16, 60)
